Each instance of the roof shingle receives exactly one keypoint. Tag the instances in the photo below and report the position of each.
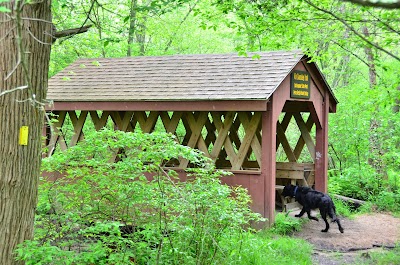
(174, 78)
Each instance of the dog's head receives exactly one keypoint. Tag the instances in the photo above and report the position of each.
(289, 191)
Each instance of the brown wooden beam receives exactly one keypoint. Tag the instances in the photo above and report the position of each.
(222, 105)
(321, 150)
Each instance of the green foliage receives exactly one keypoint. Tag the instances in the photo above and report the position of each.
(82, 216)
(384, 257)
(260, 248)
(286, 224)
(388, 201)
(343, 208)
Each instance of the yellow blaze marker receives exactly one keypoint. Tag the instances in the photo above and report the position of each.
(23, 135)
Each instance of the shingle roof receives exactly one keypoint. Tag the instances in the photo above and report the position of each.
(174, 78)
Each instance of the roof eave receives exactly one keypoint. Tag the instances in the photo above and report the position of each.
(211, 105)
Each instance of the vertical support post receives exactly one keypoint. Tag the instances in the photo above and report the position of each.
(268, 165)
(321, 149)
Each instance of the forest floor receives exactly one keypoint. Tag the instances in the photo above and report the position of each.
(362, 235)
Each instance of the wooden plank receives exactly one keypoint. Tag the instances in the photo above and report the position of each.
(223, 129)
(290, 166)
(305, 134)
(255, 143)
(56, 136)
(211, 132)
(285, 143)
(268, 165)
(188, 131)
(196, 127)
(204, 105)
(310, 179)
(151, 121)
(284, 125)
(250, 131)
(173, 125)
(289, 174)
(321, 163)
(286, 120)
(141, 118)
(78, 124)
(300, 143)
(233, 133)
(122, 120)
(99, 122)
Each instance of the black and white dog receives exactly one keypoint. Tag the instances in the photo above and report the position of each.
(311, 199)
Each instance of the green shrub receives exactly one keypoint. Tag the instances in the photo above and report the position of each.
(286, 224)
(343, 208)
(82, 217)
(388, 201)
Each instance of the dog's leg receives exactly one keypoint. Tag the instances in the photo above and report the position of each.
(323, 215)
(332, 215)
(301, 213)
(311, 217)
(340, 226)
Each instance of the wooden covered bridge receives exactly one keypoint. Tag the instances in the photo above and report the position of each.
(235, 109)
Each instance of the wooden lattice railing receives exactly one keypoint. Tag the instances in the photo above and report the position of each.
(231, 139)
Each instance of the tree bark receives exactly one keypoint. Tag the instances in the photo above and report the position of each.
(132, 26)
(25, 35)
(370, 60)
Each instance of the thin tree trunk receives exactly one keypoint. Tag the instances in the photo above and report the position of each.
(376, 150)
(132, 26)
(370, 60)
(24, 60)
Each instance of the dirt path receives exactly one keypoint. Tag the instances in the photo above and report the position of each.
(362, 234)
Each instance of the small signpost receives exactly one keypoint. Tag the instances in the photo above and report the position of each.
(300, 84)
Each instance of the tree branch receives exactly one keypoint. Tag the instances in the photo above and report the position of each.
(353, 30)
(393, 5)
(71, 32)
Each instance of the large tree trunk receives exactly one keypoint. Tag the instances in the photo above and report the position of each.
(24, 60)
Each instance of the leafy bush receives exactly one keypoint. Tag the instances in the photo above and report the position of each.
(286, 224)
(388, 201)
(133, 210)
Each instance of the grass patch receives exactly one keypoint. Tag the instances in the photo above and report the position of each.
(386, 257)
(264, 248)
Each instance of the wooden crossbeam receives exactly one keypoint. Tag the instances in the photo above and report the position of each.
(223, 129)
(300, 143)
(233, 134)
(99, 122)
(78, 126)
(284, 142)
(122, 120)
(305, 134)
(256, 141)
(147, 123)
(195, 139)
(248, 140)
(57, 136)
(170, 124)
(284, 125)
(211, 131)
